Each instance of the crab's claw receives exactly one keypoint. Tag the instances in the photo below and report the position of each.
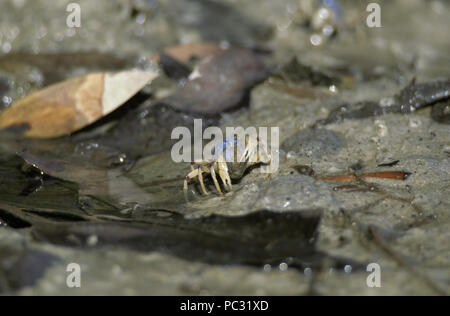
(223, 173)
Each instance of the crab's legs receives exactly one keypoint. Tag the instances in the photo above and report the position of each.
(196, 172)
(202, 166)
(214, 177)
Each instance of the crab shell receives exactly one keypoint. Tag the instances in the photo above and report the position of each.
(230, 149)
(236, 169)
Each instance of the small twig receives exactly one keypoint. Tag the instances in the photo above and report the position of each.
(370, 187)
(393, 175)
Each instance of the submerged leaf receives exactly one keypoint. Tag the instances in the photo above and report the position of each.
(68, 106)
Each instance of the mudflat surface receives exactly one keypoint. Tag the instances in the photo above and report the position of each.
(111, 198)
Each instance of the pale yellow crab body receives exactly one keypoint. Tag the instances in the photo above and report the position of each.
(254, 152)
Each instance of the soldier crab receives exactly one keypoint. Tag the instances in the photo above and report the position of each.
(223, 162)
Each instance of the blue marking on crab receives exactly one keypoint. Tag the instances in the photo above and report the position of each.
(227, 149)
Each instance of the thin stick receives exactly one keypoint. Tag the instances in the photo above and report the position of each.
(393, 175)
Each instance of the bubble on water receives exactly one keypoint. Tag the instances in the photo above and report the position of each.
(7, 100)
(283, 266)
(333, 88)
(267, 268)
(328, 30)
(316, 40)
(141, 18)
(348, 268)
(323, 13)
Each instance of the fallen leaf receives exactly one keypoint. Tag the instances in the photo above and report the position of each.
(219, 82)
(68, 106)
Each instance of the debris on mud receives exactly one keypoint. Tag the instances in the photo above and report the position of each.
(410, 99)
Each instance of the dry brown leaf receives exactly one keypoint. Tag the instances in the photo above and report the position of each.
(68, 106)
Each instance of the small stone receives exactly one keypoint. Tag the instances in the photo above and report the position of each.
(314, 143)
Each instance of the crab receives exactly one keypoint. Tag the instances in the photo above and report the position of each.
(254, 152)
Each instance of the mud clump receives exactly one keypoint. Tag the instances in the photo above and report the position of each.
(314, 143)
